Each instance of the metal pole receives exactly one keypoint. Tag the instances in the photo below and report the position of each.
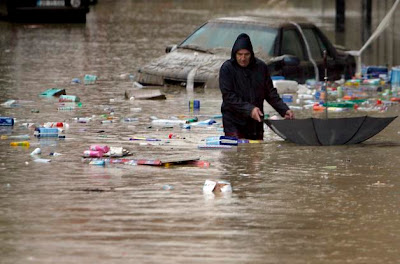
(326, 83)
(340, 15)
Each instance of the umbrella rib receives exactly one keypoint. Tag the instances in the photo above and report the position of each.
(315, 131)
(356, 130)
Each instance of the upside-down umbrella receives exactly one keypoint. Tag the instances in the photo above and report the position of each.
(329, 131)
(333, 131)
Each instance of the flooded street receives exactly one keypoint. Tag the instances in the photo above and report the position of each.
(290, 204)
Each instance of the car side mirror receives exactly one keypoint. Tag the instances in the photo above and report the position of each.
(290, 60)
(170, 48)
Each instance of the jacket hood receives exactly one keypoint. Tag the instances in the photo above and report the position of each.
(243, 42)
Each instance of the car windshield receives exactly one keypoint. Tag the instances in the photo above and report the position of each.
(214, 36)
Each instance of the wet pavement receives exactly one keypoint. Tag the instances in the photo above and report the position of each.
(290, 203)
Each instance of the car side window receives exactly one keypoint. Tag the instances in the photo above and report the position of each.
(291, 44)
(313, 43)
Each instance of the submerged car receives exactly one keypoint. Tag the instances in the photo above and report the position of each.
(291, 50)
(45, 10)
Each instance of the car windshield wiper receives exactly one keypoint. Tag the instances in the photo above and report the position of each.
(195, 48)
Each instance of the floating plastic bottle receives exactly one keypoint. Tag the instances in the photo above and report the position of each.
(37, 151)
(130, 119)
(46, 132)
(93, 154)
(192, 120)
(82, 119)
(167, 122)
(66, 108)
(20, 143)
(222, 140)
(15, 137)
(6, 121)
(207, 122)
(55, 124)
(68, 98)
(97, 162)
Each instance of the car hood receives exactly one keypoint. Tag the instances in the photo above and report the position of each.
(177, 64)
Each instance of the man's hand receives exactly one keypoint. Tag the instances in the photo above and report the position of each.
(256, 114)
(289, 114)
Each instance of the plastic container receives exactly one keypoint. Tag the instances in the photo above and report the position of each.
(20, 143)
(46, 132)
(6, 121)
(102, 148)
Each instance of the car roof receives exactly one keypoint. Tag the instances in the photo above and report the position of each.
(262, 20)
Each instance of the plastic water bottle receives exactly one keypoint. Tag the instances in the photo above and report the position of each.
(167, 122)
(46, 132)
(6, 121)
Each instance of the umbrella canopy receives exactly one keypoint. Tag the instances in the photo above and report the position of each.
(332, 131)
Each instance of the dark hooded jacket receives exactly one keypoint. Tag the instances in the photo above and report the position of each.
(244, 88)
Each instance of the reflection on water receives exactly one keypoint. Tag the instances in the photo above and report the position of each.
(290, 204)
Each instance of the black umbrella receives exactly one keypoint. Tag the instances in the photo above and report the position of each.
(333, 131)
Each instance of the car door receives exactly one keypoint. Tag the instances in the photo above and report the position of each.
(292, 44)
(317, 45)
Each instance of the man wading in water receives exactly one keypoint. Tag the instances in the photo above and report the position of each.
(245, 83)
